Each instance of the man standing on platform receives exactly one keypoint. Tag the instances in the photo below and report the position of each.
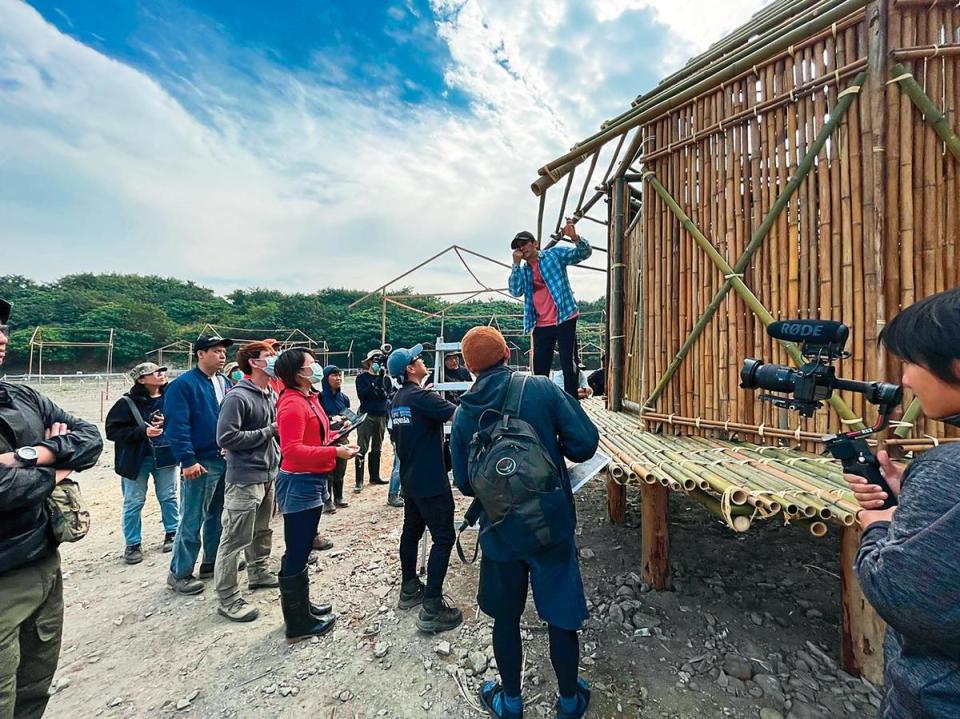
(192, 406)
(549, 308)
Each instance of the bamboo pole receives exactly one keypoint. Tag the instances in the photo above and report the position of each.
(615, 339)
(931, 113)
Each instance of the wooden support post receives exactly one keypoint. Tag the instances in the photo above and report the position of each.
(616, 500)
(861, 644)
(655, 535)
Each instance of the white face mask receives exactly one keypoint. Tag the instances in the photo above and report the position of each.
(268, 367)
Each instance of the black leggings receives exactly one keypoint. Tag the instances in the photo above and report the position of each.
(564, 655)
(299, 529)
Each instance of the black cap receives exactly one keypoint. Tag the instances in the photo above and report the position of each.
(4, 311)
(522, 238)
(205, 343)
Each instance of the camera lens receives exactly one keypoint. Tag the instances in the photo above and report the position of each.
(771, 377)
(748, 372)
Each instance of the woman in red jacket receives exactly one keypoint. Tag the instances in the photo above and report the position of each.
(301, 485)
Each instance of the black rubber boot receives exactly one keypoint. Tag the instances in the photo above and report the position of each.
(320, 610)
(358, 468)
(299, 622)
(337, 487)
(373, 466)
(438, 616)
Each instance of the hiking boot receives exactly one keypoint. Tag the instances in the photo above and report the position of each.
(168, 541)
(491, 699)
(133, 554)
(394, 500)
(322, 544)
(264, 579)
(206, 570)
(438, 616)
(239, 610)
(411, 593)
(583, 702)
(187, 585)
(299, 622)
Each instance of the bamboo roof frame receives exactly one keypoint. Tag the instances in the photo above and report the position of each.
(291, 337)
(184, 347)
(37, 341)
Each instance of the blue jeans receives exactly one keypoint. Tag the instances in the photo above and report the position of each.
(395, 474)
(135, 496)
(201, 504)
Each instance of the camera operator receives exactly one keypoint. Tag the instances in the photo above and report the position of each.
(909, 557)
(373, 388)
(40, 445)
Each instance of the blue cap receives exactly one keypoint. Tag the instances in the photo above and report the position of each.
(399, 359)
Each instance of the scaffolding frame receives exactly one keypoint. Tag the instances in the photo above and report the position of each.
(38, 342)
(177, 347)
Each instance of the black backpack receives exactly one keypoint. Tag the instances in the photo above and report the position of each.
(516, 480)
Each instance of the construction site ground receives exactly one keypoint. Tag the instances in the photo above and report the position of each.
(750, 627)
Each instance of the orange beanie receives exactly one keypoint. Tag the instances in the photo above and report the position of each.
(483, 347)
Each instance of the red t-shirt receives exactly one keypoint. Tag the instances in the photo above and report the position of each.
(543, 303)
(303, 427)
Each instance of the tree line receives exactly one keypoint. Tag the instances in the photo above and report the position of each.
(147, 312)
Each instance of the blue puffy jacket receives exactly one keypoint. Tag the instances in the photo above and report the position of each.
(564, 429)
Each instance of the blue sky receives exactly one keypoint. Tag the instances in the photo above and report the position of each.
(300, 144)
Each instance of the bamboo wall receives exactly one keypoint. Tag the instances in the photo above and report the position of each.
(725, 156)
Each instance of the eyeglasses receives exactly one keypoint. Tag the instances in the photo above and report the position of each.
(159, 373)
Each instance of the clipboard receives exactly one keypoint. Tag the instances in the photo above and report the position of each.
(343, 432)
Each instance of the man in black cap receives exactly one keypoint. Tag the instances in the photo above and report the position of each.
(40, 445)
(191, 408)
(549, 307)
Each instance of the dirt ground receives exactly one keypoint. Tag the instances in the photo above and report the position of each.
(750, 628)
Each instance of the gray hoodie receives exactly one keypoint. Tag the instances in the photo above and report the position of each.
(246, 430)
(910, 572)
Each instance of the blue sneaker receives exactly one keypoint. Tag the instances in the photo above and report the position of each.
(583, 702)
(491, 698)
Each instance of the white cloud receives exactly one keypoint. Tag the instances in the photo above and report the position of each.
(300, 186)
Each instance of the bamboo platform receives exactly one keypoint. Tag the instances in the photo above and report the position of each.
(740, 482)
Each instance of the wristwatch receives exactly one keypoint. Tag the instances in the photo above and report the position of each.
(27, 456)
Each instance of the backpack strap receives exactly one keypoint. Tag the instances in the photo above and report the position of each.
(135, 411)
(514, 396)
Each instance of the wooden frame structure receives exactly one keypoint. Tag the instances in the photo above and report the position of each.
(178, 347)
(38, 342)
(804, 166)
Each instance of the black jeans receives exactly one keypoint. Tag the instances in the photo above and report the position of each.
(563, 335)
(436, 514)
(508, 650)
(299, 529)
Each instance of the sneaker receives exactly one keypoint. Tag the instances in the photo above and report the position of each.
(133, 554)
(411, 594)
(206, 570)
(491, 699)
(394, 501)
(438, 616)
(263, 579)
(187, 585)
(583, 702)
(239, 610)
(168, 541)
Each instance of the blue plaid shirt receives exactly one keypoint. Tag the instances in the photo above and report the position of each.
(553, 268)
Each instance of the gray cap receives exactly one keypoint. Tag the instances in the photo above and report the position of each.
(143, 369)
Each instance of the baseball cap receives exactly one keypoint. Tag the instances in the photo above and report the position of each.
(205, 343)
(400, 358)
(522, 238)
(143, 369)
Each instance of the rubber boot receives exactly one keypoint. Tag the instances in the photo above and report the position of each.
(374, 468)
(358, 468)
(299, 622)
(337, 486)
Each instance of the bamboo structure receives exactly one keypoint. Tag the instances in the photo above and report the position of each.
(808, 162)
(57, 337)
(175, 348)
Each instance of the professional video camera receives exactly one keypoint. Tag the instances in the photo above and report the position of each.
(381, 358)
(821, 343)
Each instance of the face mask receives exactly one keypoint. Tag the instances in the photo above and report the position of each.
(236, 375)
(316, 373)
(268, 367)
(375, 366)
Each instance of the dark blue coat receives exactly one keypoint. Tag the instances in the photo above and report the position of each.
(333, 402)
(564, 429)
(190, 417)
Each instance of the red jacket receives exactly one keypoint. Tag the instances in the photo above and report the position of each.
(303, 428)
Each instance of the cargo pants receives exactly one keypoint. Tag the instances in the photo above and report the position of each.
(246, 528)
(31, 628)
